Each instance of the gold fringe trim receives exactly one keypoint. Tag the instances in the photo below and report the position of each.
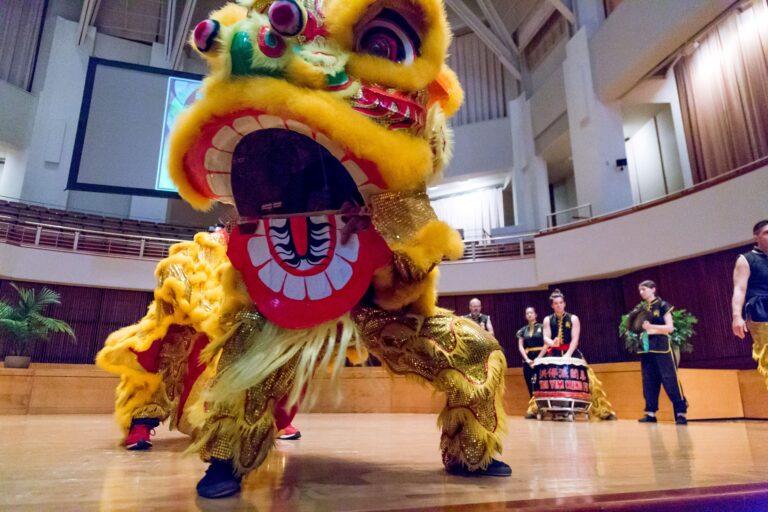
(601, 408)
(271, 347)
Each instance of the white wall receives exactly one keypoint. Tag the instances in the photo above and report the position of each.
(664, 90)
(564, 193)
(488, 276)
(645, 165)
(12, 175)
(28, 264)
(17, 110)
(481, 148)
(713, 219)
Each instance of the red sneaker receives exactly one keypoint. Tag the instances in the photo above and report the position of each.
(139, 437)
(290, 432)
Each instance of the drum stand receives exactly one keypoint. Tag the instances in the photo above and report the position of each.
(562, 409)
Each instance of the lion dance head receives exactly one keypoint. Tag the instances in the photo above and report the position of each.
(317, 114)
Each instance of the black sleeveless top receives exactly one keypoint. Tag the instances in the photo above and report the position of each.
(482, 320)
(533, 339)
(561, 327)
(658, 342)
(756, 303)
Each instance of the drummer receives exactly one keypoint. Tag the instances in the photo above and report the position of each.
(656, 360)
(565, 327)
(530, 343)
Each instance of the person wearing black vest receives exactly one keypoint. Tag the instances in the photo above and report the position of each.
(565, 327)
(484, 321)
(656, 359)
(530, 343)
(750, 296)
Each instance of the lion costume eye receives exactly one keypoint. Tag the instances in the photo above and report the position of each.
(388, 36)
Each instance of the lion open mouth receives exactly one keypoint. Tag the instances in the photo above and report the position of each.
(289, 184)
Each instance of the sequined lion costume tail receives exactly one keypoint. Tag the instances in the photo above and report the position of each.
(322, 122)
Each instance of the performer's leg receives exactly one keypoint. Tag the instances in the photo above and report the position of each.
(672, 386)
(528, 374)
(239, 428)
(460, 359)
(651, 383)
(759, 331)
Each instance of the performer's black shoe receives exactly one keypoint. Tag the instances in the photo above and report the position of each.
(647, 419)
(681, 420)
(495, 468)
(610, 417)
(530, 416)
(219, 481)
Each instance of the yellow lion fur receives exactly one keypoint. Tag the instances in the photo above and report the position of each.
(202, 288)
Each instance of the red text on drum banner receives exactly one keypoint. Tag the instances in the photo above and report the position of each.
(563, 373)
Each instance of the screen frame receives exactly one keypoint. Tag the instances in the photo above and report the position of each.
(82, 126)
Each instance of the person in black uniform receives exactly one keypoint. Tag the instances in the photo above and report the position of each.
(565, 327)
(656, 360)
(475, 314)
(750, 296)
(530, 343)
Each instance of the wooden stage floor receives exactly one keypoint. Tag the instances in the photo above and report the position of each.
(367, 462)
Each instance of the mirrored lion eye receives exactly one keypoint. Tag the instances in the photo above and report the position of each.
(389, 36)
(287, 17)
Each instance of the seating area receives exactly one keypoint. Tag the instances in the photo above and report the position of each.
(31, 213)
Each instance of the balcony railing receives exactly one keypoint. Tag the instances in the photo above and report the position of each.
(68, 239)
(516, 246)
(569, 215)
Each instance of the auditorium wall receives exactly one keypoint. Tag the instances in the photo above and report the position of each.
(701, 285)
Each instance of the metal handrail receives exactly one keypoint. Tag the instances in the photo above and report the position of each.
(553, 215)
(68, 239)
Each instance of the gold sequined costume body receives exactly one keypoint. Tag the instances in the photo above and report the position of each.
(381, 115)
(759, 332)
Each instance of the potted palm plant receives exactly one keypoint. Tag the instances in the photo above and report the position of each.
(680, 339)
(23, 324)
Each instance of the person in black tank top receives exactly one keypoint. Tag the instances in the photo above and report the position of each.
(530, 343)
(657, 362)
(561, 330)
(750, 297)
(476, 315)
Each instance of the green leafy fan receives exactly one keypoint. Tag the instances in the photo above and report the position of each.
(25, 323)
(680, 338)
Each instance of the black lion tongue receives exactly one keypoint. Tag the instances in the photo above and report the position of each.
(281, 172)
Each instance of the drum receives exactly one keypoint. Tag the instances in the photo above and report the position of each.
(561, 387)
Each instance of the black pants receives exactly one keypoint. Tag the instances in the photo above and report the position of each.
(660, 369)
(528, 373)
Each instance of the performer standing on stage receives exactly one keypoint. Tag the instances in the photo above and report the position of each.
(565, 344)
(530, 343)
(475, 314)
(656, 359)
(750, 296)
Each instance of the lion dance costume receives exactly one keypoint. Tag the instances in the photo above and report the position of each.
(322, 122)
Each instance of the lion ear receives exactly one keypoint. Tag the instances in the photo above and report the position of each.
(446, 90)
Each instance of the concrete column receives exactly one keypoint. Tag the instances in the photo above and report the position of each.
(597, 136)
(529, 172)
